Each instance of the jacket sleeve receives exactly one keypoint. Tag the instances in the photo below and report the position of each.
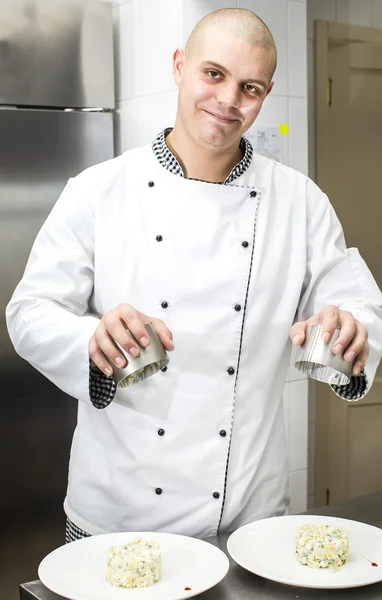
(336, 275)
(47, 317)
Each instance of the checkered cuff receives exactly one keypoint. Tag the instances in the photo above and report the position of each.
(73, 533)
(101, 388)
(355, 390)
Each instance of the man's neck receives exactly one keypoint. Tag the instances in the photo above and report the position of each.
(200, 163)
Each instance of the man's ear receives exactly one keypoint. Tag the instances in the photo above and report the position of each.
(270, 88)
(178, 61)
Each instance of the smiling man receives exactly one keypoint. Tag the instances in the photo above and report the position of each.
(229, 255)
(220, 91)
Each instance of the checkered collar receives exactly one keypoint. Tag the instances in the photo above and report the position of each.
(170, 162)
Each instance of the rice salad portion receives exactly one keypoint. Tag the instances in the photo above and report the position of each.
(322, 546)
(137, 564)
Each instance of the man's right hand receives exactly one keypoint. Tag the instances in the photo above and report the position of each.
(113, 326)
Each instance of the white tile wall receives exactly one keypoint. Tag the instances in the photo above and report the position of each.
(195, 10)
(320, 9)
(135, 128)
(298, 425)
(275, 112)
(286, 395)
(297, 49)
(148, 31)
(275, 16)
(128, 49)
(298, 134)
(299, 491)
(357, 12)
(312, 400)
(161, 34)
(311, 434)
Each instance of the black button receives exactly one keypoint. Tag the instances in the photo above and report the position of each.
(237, 307)
(216, 495)
(160, 432)
(159, 238)
(245, 244)
(230, 371)
(223, 433)
(158, 491)
(164, 305)
(164, 369)
(253, 194)
(151, 184)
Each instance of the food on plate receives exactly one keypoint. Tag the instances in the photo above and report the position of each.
(137, 564)
(322, 546)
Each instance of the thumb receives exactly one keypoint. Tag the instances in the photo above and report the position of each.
(297, 333)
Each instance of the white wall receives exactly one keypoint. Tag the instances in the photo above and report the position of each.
(355, 12)
(147, 32)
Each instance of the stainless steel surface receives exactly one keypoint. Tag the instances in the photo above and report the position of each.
(56, 53)
(316, 359)
(241, 585)
(53, 53)
(150, 360)
(39, 151)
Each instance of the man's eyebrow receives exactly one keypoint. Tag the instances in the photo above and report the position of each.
(207, 63)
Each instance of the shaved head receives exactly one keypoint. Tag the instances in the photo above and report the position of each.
(224, 74)
(240, 23)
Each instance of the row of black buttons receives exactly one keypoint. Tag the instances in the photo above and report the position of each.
(159, 238)
(230, 370)
(159, 491)
(165, 305)
(222, 433)
(253, 194)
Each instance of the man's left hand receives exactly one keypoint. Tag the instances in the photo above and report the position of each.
(352, 339)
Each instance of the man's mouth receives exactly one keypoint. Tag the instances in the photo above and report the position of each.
(221, 118)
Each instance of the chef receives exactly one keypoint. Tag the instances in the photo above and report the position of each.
(230, 256)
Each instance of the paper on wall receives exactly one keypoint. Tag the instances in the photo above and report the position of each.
(266, 141)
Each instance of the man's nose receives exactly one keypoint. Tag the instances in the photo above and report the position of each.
(229, 95)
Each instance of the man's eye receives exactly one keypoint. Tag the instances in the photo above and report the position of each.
(251, 88)
(214, 74)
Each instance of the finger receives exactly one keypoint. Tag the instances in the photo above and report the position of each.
(135, 322)
(107, 346)
(315, 320)
(357, 344)
(330, 321)
(98, 358)
(297, 332)
(164, 333)
(361, 360)
(348, 334)
(116, 329)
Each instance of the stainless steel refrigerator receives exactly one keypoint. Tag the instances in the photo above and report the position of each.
(56, 119)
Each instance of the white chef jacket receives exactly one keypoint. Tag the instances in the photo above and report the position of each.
(269, 243)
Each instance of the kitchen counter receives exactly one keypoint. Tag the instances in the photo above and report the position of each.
(242, 585)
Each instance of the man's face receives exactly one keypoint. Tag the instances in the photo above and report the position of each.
(222, 86)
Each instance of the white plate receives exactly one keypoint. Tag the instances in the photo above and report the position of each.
(267, 548)
(77, 570)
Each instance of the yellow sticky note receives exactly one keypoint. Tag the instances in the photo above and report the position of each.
(284, 129)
